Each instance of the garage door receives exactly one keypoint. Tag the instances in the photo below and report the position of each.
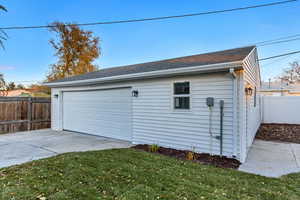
(99, 112)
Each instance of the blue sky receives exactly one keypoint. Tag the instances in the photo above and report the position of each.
(28, 53)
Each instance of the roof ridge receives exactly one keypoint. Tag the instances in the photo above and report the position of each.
(169, 59)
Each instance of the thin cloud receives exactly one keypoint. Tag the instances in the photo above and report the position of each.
(7, 68)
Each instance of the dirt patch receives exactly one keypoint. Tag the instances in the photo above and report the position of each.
(204, 158)
(279, 132)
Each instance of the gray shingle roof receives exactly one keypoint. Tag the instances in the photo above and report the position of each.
(225, 56)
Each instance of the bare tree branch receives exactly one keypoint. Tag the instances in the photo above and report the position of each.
(3, 8)
(291, 75)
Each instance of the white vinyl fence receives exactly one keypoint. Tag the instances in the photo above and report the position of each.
(281, 109)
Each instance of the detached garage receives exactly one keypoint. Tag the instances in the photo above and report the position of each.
(206, 102)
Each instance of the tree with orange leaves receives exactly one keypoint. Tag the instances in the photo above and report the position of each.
(76, 50)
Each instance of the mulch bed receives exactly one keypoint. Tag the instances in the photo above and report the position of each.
(203, 158)
(279, 132)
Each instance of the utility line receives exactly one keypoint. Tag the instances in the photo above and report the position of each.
(276, 61)
(265, 67)
(277, 42)
(259, 44)
(276, 39)
(154, 18)
(277, 56)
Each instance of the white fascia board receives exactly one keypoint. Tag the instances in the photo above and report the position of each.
(152, 74)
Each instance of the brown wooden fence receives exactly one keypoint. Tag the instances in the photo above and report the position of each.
(24, 113)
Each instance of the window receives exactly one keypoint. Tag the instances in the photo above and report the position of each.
(255, 97)
(182, 95)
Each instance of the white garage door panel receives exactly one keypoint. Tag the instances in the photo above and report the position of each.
(100, 112)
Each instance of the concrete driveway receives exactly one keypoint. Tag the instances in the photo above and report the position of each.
(22, 147)
(272, 159)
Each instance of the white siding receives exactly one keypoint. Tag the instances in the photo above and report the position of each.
(155, 121)
(249, 115)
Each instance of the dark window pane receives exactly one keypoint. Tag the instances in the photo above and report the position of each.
(182, 88)
(182, 102)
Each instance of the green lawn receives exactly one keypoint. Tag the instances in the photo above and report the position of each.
(131, 174)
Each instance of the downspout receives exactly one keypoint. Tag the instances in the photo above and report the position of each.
(234, 102)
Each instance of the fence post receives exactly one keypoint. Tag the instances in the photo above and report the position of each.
(29, 113)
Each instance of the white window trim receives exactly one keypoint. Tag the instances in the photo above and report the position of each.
(177, 110)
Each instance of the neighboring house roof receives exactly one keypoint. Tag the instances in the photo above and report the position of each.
(277, 86)
(17, 92)
(204, 61)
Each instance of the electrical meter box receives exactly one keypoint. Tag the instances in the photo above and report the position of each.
(222, 103)
(210, 101)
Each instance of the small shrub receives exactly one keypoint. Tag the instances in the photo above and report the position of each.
(153, 148)
(190, 155)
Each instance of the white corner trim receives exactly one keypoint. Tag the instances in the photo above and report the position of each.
(152, 74)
